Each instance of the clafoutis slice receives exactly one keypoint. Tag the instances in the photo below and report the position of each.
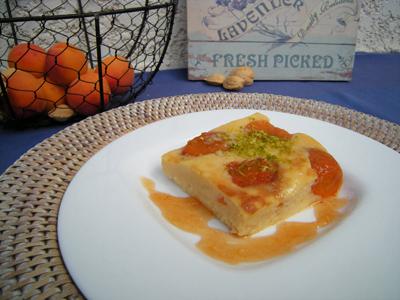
(251, 174)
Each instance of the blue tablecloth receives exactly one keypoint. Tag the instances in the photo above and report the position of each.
(375, 90)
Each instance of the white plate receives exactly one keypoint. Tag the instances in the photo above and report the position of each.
(116, 245)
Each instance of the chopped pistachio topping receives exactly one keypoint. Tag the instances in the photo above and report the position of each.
(251, 144)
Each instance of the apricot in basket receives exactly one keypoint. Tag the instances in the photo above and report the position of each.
(119, 74)
(52, 94)
(64, 63)
(83, 94)
(28, 57)
(22, 88)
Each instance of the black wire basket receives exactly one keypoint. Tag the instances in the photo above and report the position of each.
(51, 50)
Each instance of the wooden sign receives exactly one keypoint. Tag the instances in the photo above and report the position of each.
(279, 39)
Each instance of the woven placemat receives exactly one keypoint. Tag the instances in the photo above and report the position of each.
(32, 188)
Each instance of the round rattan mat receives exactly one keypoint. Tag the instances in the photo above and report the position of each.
(32, 188)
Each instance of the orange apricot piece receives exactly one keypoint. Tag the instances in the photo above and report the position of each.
(268, 128)
(329, 172)
(206, 143)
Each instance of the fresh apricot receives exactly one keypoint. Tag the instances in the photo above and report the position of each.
(83, 94)
(52, 94)
(28, 57)
(119, 74)
(22, 88)
(65, 63)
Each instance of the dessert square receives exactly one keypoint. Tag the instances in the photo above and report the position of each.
(251, 174)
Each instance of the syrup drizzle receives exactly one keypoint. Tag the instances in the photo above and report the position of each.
(188, 214)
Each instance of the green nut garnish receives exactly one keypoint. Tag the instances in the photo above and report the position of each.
(252, 144)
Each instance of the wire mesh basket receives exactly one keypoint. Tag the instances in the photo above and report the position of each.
(51, 50)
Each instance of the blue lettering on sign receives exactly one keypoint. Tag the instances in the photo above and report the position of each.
(284, 61)
(305, 61)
